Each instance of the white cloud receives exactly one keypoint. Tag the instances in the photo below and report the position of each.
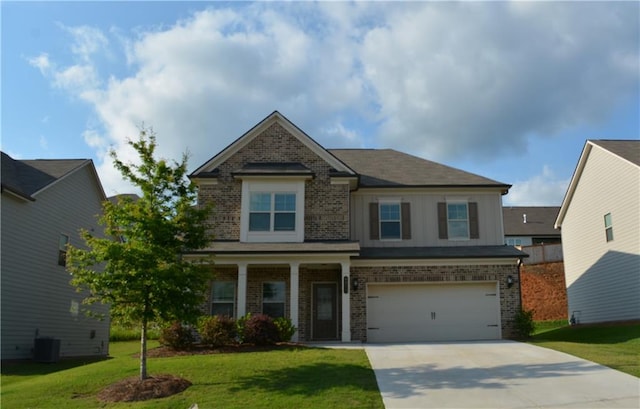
(440, 80)
(544, 189)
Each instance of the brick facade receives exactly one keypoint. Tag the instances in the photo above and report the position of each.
(326, 205)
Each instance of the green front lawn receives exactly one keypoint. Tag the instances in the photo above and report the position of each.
(288, 378)
(614, 345)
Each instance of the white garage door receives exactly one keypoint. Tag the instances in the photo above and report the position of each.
(432, 312)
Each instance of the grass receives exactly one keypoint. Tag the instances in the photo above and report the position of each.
(290, 378)
(614, 345)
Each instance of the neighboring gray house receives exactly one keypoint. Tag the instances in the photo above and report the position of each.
(44, 205)
(600, 223)
(356, 244)
(530, 225)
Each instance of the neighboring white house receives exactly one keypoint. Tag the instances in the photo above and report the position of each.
(530, 225)
(600, 224)
(44, 205)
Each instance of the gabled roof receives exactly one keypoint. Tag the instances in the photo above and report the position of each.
(390, 168)
(626, 150)
(27, 178)
(208, 169)
(530, 221)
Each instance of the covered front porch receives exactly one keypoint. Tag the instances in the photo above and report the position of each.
(308, 283)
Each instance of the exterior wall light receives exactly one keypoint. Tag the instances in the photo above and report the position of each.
(509, 281)
(355, 284)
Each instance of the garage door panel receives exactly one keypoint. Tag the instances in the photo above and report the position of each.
(432, 312)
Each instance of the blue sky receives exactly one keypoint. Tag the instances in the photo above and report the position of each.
(507, 90)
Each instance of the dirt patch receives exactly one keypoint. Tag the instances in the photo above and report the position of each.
(133, 389)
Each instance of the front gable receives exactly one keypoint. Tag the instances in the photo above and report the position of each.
(276, 184)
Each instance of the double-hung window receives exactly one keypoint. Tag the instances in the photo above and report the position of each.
(223, 298)
(63, 242)
(608, 227)
(458, 220)
(273, 297)
(390, 222)
(272, 211)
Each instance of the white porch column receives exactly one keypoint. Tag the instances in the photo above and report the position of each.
(241, 310)
(294, 296)
(346, 301)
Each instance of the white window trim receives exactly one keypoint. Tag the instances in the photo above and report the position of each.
(293, 186)
(458, 202)
(389, 201)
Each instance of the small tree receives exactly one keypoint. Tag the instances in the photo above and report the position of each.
(142, 274)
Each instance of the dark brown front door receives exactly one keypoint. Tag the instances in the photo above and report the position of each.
(325, 324)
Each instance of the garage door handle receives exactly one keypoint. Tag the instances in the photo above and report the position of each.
(373, 296)
(372, 328)
(495, 325)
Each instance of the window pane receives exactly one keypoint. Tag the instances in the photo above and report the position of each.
(390, 212)
(607, 220)
(273, 292)
(260, 202)
(285, 202)
(62, 242)
(390, 230)
(457, 211)
(222, 309)
(224, 291)
(458, 230)
(259, 221)
(284, 222)
(274, 310)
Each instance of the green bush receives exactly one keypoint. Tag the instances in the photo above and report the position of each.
(177, 336)
(119, 332)
(217, 331)
(240, 324)
(259, 329)
(285, 329)
(524, 324)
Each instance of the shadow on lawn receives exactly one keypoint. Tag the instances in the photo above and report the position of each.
(309, 379)
(30, 368)
(612, 333)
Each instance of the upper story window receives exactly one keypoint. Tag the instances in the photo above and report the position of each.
(514, 242)
(608, 227)
(458, 220)
(390, 221)
(272, 211)
(63, 242)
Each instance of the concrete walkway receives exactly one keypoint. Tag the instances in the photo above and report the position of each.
(495, 374)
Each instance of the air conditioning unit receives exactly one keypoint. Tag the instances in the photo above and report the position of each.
(46, 350)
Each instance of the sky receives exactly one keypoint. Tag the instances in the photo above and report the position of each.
(507, 90)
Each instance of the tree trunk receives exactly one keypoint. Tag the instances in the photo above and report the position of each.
(143, 350)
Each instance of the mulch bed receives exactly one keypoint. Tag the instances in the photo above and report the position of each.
(163, 352)
(133, 389)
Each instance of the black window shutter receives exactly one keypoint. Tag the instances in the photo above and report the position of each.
(374, 228)
(474, 232)
(442, 221)
(406, 220)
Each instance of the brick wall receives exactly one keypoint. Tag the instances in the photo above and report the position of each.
(326, 205)
(544, 291)
(509, 297)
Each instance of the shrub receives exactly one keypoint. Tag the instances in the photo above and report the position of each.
(119, 332)
(177, 336)
(285, 329)
(260, 330)
(524, 324)
(240, 324)
(217, 331)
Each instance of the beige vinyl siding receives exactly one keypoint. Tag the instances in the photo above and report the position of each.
(36, 294)
(424, 216)
(603, 278)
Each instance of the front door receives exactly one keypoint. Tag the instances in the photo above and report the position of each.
(325, 323)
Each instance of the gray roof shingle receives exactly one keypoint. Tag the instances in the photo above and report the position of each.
(390, 168)
(627, 149)
(540, 220)
(26, 177)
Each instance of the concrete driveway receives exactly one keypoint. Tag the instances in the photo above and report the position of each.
(495, 374)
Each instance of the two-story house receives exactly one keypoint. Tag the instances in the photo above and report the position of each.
(45, 203)
(356, 244)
